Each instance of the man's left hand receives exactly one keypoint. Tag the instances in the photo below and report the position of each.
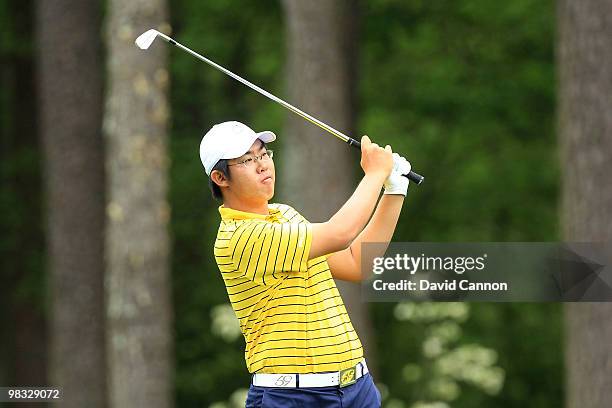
(396, 183)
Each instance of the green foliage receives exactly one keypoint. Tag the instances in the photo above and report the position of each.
(466, 90)
(23, 284)
(21, 243)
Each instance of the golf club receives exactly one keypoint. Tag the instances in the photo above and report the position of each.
(145, 40)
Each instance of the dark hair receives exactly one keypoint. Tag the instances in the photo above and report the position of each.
(214, 188)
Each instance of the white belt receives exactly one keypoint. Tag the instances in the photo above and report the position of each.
(342, 378)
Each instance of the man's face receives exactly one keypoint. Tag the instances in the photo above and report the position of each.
(255, 181)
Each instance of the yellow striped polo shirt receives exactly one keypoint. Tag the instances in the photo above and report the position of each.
(290, 311)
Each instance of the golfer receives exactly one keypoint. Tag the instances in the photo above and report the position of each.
(279, 270)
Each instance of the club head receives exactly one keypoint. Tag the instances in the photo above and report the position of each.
(145, 39)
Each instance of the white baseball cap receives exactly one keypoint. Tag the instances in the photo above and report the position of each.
(229, 140)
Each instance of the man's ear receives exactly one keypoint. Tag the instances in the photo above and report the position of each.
(219, 178)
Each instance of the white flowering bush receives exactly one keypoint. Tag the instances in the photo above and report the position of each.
(224, 322)
(236, 400)
(446, 364)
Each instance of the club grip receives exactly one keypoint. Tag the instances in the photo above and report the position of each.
(412, 176)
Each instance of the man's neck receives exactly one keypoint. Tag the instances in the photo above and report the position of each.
(255, 208)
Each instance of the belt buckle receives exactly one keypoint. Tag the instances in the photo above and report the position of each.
(348, 376)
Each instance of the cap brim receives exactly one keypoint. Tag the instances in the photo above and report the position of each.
(266, 136)
(239, 150)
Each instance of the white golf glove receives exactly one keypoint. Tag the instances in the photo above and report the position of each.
(396, 183)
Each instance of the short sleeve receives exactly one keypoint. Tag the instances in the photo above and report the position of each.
(265, 252)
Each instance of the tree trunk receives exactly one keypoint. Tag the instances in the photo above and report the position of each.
(138, 282)
(585, 124)
(69, 68)
(318, 169)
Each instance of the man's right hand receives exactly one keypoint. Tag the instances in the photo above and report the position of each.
(375, 160)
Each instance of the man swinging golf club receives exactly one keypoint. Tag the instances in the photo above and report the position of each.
(279, 270)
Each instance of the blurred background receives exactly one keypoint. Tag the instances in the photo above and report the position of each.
(109, 286)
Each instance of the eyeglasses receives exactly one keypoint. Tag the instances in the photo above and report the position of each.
(249, 160)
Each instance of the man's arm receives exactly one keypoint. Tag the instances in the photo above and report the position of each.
(346, 264)
(342, 229)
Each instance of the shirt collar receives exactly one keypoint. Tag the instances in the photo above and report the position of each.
(231, 214)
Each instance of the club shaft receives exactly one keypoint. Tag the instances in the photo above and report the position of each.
(267, 94)
(352, 142)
